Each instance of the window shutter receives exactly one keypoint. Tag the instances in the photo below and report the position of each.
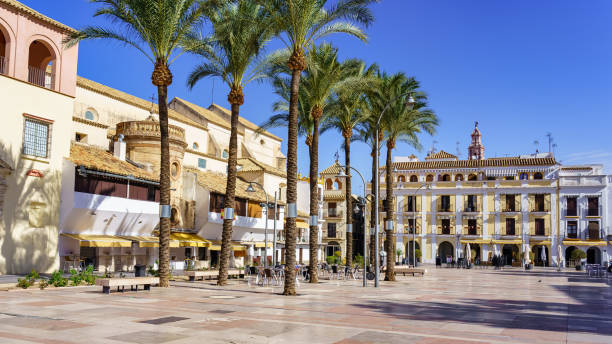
(531, 225)
(547, 202)
(418, 203)
(502, 225)
(502, 202)
(452, 203)
(517, 202)
(531, 202)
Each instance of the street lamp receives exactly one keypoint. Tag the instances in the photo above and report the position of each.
(362, 201)
(410, 102)
(250, 188)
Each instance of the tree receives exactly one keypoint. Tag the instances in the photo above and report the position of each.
(401, 122)
(230, 52)
(346, 111)
(299, 23)
(156, 29)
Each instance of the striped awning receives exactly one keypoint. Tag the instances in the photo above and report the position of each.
(585, 243)
(94, 240)
(149, 241)
(510, 241)
(301, 224)
(501, 172)
(216, 246)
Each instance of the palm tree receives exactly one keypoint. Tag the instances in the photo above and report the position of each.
(300, 23)
(156, 29)
(401, 122)
(230, 52)
(347, 110)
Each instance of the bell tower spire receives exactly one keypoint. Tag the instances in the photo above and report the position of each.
(476, 149)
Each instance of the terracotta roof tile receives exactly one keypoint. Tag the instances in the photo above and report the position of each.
(216, 182)
(252, 165)
(27, 10)
(496, 162)
(135, 101)
(333, 169)
(441, 155)
(334, 195)
(98, 159)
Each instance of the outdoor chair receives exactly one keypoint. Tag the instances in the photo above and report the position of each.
(269, 277)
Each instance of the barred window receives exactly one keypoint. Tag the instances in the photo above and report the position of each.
(36, 138)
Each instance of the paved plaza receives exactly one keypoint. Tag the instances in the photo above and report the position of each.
(447, 305)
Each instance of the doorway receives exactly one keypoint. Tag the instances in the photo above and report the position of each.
(593, 255)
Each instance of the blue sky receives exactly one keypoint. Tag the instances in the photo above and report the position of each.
(521, 68)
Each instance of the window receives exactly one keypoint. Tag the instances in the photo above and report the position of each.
(414, 178)
(429, 178)
(329, 185)
(331, 209)
(401, 179)
(510, 203)
(593, 230)
(539, 203)
(445, 203)
(571, 206)
(510, 227)
(472, 177)
(202, 253)
(201, 163)
(36, 138)
(225, 154)
(444, 178)
(539, 227)
(538, 175)
(410, 227)
(195, 146)
(445, 226)
(524, 176)
(410, 203)
(255, 210)
(89, 115)
(240, 207)
(79, 137)
(459, 177)
(331, 230)
(593, 206)
(216, 202)
(472, 230)
(175, 169)
(509, 178)
(490, 178)
(572, 229)
(471, 203)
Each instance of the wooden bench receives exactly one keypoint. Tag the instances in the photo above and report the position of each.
(120, 283)
(413, 271)
(193, 274)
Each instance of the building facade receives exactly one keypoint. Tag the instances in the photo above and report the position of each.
(499, 206)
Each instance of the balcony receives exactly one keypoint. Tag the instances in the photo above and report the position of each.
(410, 230)
(41, 77)
(444, 209)
(471, 209)
(332, 213)
(472, 231)
(540, 209)
(3, 65)
(509, 210)
(583, 180)
(445, 230)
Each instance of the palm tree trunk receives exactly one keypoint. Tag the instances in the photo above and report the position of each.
(389, 240)
(229, 202)
(349, 201)
(291, 184)
(314, 203)
(164, 187)
(373, 205)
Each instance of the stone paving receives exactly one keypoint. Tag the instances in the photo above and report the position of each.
(445, 306)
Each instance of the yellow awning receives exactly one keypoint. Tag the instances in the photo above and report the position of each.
(512, 241)
(189, 240)
(149, 241)
(93, 240)
(584, 243)
(262, 244)
(475, 241)
(216, 246)
(537, 243)
(301, 224)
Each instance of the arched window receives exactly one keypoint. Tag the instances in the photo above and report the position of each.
(429, 178)
(472, 176)
(329, 185)
(538, 175)
(3, 51)
(41, 62)
(225, 154)
(401, 179)
(459, 177)
(524, 176)
(414, 178)
(509, 178)
(89, 115)
(446, 178)
(195, 146)
(338, 185)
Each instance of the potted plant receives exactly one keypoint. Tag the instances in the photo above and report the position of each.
(398, 253)
(578, 255)
(529, 265)
(417, 254)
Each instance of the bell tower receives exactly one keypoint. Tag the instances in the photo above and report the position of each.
(476, 149)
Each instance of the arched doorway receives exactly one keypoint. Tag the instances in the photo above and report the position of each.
(593, 255)
(446, 250)
(41, 64)
(510, 254)
(409, 250)
(538, 255)
(3, 51)
(568, 256)
(475, 248)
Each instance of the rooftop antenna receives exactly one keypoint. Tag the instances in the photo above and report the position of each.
(550, 141)
(433, 147)
(458, 151)
(536, 143)
(554, 148)
(336, 156)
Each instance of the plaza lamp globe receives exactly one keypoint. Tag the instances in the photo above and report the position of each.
(410, 102)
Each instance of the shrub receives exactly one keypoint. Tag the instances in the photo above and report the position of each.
(358, 260)
(330, 260)
(24, 283)
(75, 277)
(88, 276)
(417, 253)
(57, 280)
(43, 284)
(33, 276)
(577, 255)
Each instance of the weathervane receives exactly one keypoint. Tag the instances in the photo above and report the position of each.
(337, 156)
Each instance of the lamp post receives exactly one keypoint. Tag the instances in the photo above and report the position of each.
(250, 188)
(410, 102)
(342, 174)
(426, 186)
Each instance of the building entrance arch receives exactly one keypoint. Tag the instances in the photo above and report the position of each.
(510, 254)
(593, 255)
(446, 250)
